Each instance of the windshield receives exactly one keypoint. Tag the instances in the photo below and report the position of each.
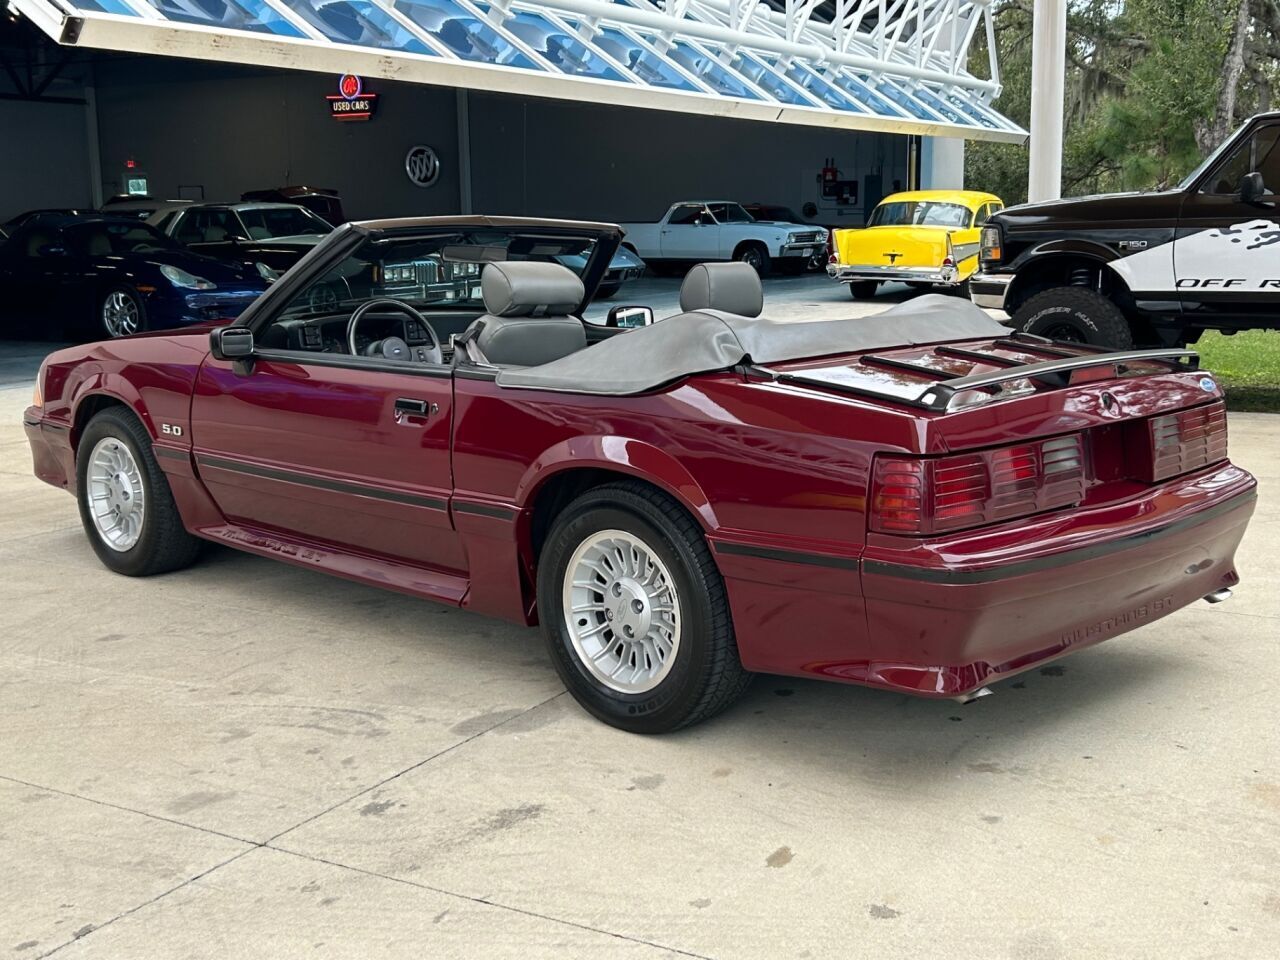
(438, 271)
(115, 238)
(730, 213)
(923, 213)
(263, 223)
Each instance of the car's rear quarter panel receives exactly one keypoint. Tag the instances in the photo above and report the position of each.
(774, 476)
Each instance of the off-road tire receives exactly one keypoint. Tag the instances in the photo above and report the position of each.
(1075, 313)
(164, 544)
(707, 675)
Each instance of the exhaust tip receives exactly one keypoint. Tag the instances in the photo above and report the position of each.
(974, 695)
(1218, 595)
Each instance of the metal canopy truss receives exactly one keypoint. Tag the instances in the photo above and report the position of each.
(889, 65)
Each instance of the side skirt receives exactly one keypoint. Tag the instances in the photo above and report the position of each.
(362, 568)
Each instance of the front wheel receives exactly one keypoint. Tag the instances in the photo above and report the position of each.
(1075, 315)
(634, 612)
(121, 313)
(863, 289)
(756, 257)
(126, 506)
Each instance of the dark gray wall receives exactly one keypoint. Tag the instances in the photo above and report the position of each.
(44, 161)
(228, 129)
(544, 157)
(223, 129)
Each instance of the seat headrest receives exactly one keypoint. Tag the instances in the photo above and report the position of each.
(528, 288)
(729, 287)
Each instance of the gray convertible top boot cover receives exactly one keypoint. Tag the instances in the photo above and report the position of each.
(706, 341)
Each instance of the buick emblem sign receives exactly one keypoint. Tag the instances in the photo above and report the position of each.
(422, 165)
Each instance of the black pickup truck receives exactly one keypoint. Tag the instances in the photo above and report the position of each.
(1147, 268)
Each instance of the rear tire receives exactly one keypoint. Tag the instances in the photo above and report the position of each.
(1075, 315)
(114, 459)
(863, 289)
(615, 677)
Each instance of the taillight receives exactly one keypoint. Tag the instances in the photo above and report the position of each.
(916, 495)
(1187, 440)
(831, 247)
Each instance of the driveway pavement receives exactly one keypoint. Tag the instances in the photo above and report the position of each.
(247, 759)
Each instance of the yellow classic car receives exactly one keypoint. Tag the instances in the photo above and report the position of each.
(923, 238)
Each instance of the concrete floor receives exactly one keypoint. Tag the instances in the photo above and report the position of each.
(247, 759)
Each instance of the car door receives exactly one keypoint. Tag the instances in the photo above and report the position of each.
(346, 450)
(1227, 252)
(689, 233)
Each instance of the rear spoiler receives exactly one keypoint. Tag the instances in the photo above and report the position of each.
(1056, 372)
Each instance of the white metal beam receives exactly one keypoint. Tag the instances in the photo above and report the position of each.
(1048, 79)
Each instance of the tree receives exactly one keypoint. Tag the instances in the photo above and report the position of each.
(1152, 86)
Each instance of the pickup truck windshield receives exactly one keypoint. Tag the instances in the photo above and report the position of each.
(927, 213)
(730, 213)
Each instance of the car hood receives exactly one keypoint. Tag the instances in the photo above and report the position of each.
(215, 271)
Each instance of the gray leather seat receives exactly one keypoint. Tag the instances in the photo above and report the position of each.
(728, 287)
(529, 319)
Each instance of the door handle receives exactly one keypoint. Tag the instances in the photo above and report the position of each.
(417, 407)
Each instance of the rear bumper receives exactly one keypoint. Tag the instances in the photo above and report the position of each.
(849, 272)
(990, 289)
(944, 617)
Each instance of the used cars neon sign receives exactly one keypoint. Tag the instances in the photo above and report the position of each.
(351, 102)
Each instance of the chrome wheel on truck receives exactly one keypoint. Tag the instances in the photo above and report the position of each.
(622, 609)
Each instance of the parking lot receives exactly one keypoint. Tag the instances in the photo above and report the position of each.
(252, 759)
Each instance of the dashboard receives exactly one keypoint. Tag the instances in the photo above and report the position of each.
(328, 334)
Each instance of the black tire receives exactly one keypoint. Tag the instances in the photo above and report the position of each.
(607, 291)
(706, 675)
(755, 255)
(1075, 314)
(102, 326)
(164, 543)
(863, 289)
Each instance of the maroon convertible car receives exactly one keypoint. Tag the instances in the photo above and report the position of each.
(920, 501)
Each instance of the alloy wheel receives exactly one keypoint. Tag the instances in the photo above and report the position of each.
(120, 314)
(621, 609)
(117, 497)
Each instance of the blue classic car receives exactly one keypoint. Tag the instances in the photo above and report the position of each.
(104, 276)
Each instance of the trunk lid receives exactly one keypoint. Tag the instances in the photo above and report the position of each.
(911, 246)
(1139, 421)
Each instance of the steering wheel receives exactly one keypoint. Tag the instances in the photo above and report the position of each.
(393, 348)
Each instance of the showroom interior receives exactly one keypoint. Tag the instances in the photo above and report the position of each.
(211, 128)
(385, 588)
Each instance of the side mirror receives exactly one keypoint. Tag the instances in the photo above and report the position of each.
(1252, 188)
(627, 318)
(231, 343)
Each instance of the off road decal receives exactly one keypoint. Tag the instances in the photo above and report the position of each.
(1239, 257)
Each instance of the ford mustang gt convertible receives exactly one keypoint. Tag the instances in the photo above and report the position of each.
(921, 501)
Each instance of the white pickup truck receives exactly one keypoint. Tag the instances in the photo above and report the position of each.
(700, 230)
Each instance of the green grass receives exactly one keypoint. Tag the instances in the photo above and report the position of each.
(1248, 366)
